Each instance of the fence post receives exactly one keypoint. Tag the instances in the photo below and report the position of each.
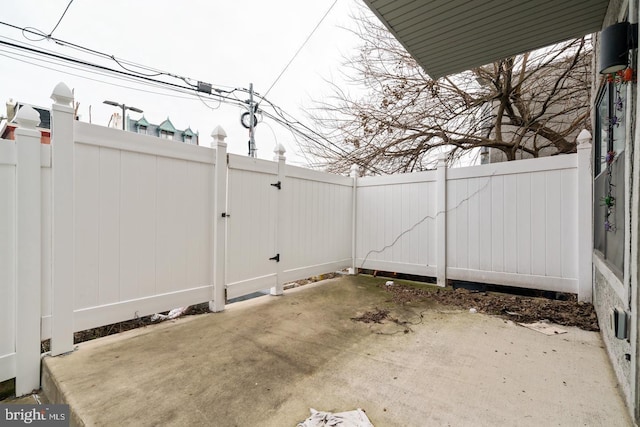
(28, 250)
(280, 218)
(62, 165)
(219, 221)
(355, 171)
(585, 218)
(441, 221)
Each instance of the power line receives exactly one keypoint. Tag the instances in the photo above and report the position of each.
(7, 55)
(107, 69)
(117, 74)
(147, 79)
(119, 61)
(339, 150)
(60, 20)
(301, 46)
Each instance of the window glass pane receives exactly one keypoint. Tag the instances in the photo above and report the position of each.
(602, 129)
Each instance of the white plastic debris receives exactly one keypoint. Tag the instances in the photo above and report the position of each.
(176, 312)
(473, 310)
(355, 418)
(389, 283)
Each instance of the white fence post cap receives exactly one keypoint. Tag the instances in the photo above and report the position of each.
(355, 169)
(62, 94)
(27, 117)
(279, 150)
(584, 138)
(219, 133)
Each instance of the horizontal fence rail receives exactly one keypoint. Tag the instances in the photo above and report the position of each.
(104, 226)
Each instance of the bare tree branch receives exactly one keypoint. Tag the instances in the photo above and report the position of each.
(392, 117)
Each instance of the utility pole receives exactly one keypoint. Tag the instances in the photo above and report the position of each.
(252, 117)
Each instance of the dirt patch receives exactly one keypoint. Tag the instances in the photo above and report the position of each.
(375, 316)
(517, 308)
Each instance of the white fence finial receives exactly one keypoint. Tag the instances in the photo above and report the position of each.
(62, 94)
(27, 117)
(584, 139)
(218, 135)
(355, 170)
(442, 160)
(279, 151)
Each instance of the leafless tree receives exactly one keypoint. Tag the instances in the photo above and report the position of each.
(392, 117)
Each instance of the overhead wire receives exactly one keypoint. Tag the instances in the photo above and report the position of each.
(283, 118)
(7, 55)
(60, 20)
(107, 69)
(301, 46)
(80, 65)
(152, 72)
(339, 150)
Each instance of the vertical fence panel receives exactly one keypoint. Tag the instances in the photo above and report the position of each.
(109, 223)
(523, 223)
(539, 210)
(138, 225)
(569, 223)
(510, 224)
(28, 250)
(46, 296)
(86, 231)
(553, 227)
(496, 229)
(7, 259)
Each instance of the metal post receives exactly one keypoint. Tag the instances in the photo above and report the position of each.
(124, 110)
(252, 140)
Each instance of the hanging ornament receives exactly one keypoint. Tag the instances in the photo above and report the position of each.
(627, 75)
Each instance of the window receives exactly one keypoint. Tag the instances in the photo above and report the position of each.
(188, 139)
(609, 172)
(142, 130)
(166, 135)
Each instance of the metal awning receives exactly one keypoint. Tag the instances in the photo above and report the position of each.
(449, 36)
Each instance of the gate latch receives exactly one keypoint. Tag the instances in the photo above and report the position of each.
(275, 258)
(278, 185)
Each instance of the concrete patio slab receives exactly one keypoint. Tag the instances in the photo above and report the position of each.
(265, 362)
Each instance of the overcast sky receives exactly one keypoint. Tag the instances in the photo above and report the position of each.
(226, 43)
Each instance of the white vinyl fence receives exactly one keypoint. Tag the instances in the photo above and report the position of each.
(521, 223)
(105, 225)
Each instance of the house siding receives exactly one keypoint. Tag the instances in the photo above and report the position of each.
(605, 299)
(611, 291)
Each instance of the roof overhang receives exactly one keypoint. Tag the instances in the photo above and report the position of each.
(450, 36)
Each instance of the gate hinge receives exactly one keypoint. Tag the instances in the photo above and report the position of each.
(275, 258)
(278, 185)
(225, 215)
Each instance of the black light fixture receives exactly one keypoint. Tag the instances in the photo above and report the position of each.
(615, 42)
